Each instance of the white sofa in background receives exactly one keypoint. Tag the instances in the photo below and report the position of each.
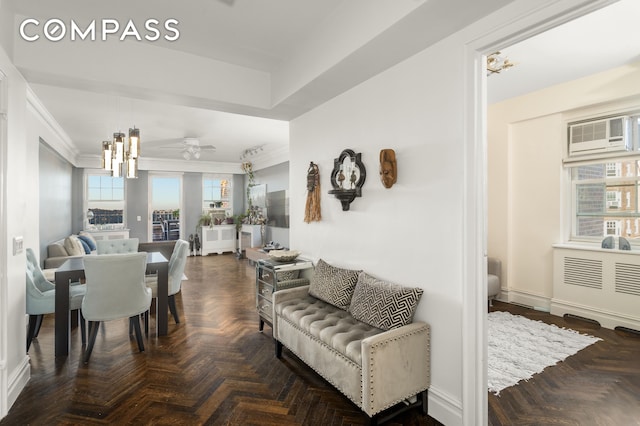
(494, 270)
(59, 251)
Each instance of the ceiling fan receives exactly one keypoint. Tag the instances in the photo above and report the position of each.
(191, 148)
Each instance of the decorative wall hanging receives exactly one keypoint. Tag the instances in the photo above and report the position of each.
(312, 210)
(347, 164)
(388, 167)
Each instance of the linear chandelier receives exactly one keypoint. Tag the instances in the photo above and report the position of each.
(116, 159)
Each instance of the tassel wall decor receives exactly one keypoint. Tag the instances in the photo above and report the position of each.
(312, 208)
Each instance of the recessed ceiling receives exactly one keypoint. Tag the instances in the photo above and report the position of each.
(604, 39)
(242, 68)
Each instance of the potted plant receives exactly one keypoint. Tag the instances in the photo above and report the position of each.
(247, 167)
(229, 219)
(237, 219)
(205, 220)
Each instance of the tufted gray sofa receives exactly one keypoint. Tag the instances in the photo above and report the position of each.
(374, 368)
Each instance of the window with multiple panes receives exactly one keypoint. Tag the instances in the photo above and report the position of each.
(604, 202)
(217, 193)
(605, 193)
(105, 199)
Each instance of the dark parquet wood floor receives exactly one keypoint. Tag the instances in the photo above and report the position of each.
(600, 385)
(214, 368)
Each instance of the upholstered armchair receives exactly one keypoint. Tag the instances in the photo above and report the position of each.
(119, 246)
(34, 265)
(115, 289)
(41, 298)
(494, 278)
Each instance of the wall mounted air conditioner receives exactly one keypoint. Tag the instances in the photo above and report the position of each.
(600, 135)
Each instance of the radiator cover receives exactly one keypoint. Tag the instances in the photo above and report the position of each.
(595, 283)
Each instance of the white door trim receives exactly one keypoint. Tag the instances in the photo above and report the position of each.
(524, 19)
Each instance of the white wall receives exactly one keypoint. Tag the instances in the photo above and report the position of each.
(527, 139)
(415, 233)
(535, 180)
(17, 217)
(411, 233)
(26, 124)
(421, 231)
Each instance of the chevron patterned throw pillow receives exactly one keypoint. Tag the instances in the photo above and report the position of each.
(382, 304)
(333, 285)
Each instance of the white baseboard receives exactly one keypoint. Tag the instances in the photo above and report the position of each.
(534, 301)
(444, 408)
(18, 380)
(606, 319)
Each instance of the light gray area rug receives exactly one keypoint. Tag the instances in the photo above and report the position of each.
(519, 347)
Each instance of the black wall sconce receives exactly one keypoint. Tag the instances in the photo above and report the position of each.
(347, 177)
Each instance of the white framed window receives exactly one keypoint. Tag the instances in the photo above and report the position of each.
(614, 199)
(614, 169)
(105, 199)
(612, 227)
(217, 193)
(604, 199)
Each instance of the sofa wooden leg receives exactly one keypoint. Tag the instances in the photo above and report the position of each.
(385, 416)
(425, 402)
(278, 349)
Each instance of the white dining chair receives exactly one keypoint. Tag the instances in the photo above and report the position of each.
(115, 289)
(177, 263)
(118, 246)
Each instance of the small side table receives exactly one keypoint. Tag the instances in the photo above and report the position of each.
(273, 276)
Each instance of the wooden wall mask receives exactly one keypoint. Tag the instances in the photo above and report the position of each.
(388, 167)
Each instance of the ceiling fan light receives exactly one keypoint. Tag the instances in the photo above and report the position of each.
(196, 155)
(186, 155)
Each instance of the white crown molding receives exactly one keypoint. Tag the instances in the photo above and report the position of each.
(168, 165)
(196, 166)
(61, 143)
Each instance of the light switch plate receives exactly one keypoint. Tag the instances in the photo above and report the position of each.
(18, 245)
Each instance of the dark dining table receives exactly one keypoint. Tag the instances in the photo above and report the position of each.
(73, 270)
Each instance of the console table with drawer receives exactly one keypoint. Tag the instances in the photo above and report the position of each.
(272, 276)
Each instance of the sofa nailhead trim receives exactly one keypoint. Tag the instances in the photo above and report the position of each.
(328, 379)
(371, 381)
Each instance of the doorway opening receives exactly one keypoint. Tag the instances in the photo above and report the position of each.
(166, 202)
